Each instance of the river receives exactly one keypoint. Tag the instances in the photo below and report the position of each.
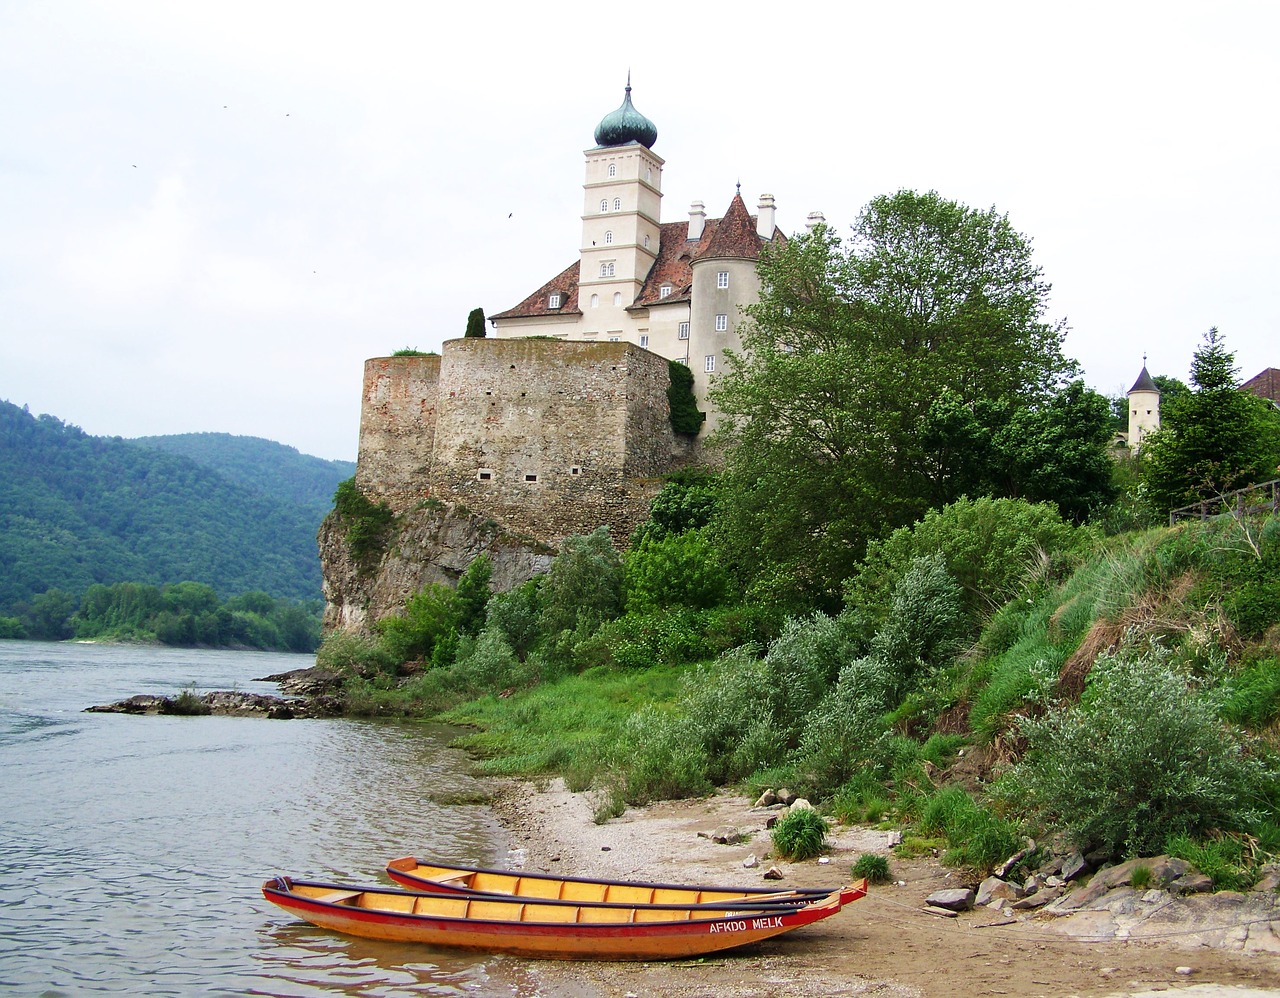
(133, 849)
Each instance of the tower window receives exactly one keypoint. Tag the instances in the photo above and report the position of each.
(553, 301)
(646, 242)
(614, 339)
(684, 331)
(709, 364)
(617, 204)
(595, 301)
(530, 478)
(608, 237)
(644, 339)
(604, 206)
(606, 268)
(617, 298)
(664, 291)
(722, 322)
(722, 279)
(613, 170)
(484, 475)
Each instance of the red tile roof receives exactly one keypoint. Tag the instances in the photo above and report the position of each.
(564, 283)
(733, 236)
(1265, 384)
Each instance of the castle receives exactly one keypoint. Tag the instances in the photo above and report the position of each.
(674, 288)
(560, 422)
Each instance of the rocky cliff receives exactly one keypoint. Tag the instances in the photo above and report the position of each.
(434, 542)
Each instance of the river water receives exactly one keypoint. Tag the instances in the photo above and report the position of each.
(133, 849)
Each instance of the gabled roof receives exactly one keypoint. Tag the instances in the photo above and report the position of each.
(564, 283)
(1265, 384)
(731, 237)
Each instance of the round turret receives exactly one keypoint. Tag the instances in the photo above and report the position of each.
(626, 124)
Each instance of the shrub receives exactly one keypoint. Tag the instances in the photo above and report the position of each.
(875, 868)
(516, 613)
(844, 733)
(354, 654)
(1253, 695)
(660, 758)
(367, 523)
(977, 836)
(924, 625)
(187, 704)
(1142, 757)
(800, 666)
(678, 570)
(800, 835)
(430, 616)
(583, 587)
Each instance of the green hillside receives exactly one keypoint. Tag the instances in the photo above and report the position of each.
(77, 510)
(271, 468)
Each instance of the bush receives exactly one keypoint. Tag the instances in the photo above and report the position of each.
(367, 523)
(1143, 756)
(1253, 695)
(801, 835)
(845, 732)
(924, 626)
(678, 570)
(978, 837)
(660, 758)
(583, 587)
(354, 654)
(874, 868)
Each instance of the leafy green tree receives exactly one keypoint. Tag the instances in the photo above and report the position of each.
(846, 352)
(50, 616)
(583, 587)
(1215, 438)
(686, 417)
(475, 323)
(430, 616)
(686, 502)
(473, 594)
(679, 570)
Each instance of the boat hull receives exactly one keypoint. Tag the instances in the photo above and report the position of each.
(419, 875)
(543, 930)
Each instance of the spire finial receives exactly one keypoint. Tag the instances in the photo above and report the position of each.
(739, 186)
(1144, 358)
(628, 79)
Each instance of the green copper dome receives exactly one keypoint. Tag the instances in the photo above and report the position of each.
(626, 124)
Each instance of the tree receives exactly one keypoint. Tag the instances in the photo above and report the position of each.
(475, 324)
(845, 354)
(1213, 439)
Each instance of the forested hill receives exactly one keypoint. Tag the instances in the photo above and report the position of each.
(272, 468)
(77, 509)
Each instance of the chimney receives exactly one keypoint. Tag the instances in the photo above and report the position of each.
(764, 223)
(697, 219)
(815, 219)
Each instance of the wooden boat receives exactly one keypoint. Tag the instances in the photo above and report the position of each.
(563, 930)
(435, 878)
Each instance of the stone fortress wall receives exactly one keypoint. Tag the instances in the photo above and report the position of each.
(549, 438)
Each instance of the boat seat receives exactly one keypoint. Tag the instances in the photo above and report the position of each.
(338, 897)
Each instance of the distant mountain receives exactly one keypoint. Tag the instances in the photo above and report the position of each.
(77, 509)
(273, 469)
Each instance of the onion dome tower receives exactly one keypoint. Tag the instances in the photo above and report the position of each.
(626, 124)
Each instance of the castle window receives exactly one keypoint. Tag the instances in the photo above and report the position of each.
(644, 339)
(664, 291)
(576, 470)
(606, 268)
(608, 237)
(709, 364)
(484, 475)
(684, 331)
(722, 322)
(722, 279)
(648, 173)
(595, 301)
(683, 360)
(613, 170)
(617, 298)
(553, 301)
(614, 339)
(617, 204)
(604, 205)
(646, 242)
(530, 478)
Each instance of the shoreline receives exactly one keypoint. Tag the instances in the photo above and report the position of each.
(884, 944)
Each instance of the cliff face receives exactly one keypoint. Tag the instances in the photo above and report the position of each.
(434, 543)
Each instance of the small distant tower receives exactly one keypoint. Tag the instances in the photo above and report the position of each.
(1144, 408)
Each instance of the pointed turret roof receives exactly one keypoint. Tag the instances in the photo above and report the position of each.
(735, 236)
(1144, 383)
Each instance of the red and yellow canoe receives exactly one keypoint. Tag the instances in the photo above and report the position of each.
(563, 930)
(436, 878)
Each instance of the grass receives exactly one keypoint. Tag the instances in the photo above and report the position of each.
(800, 835)
(875, 868)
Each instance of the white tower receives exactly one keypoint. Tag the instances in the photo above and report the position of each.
(1144, 408)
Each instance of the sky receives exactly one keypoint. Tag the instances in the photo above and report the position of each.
(211, 214)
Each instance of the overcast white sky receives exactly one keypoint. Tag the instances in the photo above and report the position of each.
(212, 213)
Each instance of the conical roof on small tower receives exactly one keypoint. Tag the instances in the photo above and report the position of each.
(1145, 383)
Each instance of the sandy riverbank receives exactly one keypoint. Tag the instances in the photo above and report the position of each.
(883, 945)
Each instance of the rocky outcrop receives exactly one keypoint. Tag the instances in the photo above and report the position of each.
(224, 703)
(434, 542)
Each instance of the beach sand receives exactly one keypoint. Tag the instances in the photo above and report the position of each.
(882, 945)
